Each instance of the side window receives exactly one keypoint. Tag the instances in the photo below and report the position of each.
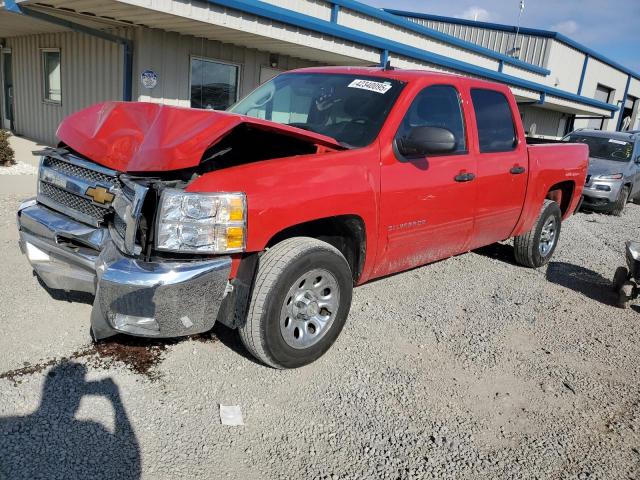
(496, 132)
(436, 106)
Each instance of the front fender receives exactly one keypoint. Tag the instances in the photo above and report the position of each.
(285, 192)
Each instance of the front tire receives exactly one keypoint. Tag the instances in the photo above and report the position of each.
(299, 304)
(535, 248)
(621, 202)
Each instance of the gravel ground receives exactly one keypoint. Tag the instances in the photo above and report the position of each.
(468, 368)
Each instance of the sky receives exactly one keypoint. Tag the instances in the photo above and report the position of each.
(610, 27)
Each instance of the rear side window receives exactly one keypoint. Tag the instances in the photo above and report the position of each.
(436, 106)
(496, 131)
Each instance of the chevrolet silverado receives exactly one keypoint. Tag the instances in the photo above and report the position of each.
(265, 217)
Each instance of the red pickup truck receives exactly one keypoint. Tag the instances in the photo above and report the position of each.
(264, 217)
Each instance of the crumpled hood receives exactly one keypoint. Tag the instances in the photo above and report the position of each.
(600, 166)
(149, 137)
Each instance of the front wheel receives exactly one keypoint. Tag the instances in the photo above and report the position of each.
(300, 302)
(535, 248)
(621, 202)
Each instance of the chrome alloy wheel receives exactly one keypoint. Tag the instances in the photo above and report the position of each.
(548, 236)
(309, 308)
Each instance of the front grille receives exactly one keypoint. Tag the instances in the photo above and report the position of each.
(74, 202)
(67, 193)
(81, 172)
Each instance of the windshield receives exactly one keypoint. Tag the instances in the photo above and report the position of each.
(349, 108)
(603, 147)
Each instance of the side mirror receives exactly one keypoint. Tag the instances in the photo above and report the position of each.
(422, 141)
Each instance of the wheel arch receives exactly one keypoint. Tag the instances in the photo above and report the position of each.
(345, 232)
(562, 194)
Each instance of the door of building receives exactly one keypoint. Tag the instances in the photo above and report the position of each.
(7, 91)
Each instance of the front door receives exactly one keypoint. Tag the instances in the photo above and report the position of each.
(427, 203)
(7, 91)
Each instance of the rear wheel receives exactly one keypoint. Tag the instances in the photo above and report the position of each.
(625, 294)
(621, 276)
(535, 248)
(618, 206)
(299, 304)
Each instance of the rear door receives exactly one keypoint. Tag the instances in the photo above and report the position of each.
(425, 214)
(502, 166)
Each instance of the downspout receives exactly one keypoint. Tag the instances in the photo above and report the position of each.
(127, 45)
(584, 71)
(624, 101)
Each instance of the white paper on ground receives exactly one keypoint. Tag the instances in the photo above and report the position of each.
(231, 415)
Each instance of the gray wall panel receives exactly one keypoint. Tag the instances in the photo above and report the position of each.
(532, 49)
(91, 72)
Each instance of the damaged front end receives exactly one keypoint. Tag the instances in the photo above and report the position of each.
(92, 229)
(113, 216)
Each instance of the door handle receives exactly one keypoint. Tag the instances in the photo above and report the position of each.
(464, 177)
(517, 170)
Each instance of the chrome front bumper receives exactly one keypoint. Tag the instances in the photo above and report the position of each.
(149, 299)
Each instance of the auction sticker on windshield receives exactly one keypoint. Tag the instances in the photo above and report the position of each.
(378, 87)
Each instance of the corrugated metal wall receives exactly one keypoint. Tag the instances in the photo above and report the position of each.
(315, 8)
(547, 122)
(365, 23)
(91, 72)
(532, 49)
(168, 54)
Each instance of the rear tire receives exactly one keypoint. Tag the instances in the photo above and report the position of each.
(621, 276)
(623, 198)
(535, 248)
(299, 304)
(625, 294)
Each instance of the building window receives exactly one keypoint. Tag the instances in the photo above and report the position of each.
(214, 85)
(604, 94)
(51, 75)
(629, 113)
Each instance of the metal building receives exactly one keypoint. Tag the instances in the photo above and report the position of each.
(62, 55)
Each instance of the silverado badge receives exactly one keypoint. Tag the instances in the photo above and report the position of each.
(99, 195)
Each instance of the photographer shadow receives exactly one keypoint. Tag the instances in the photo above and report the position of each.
(52, 443)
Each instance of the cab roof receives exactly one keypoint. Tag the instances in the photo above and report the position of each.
(397, 74)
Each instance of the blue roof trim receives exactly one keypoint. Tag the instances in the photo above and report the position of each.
(12, 6)
(523, 30)
(335, 11)
(443, 37)
(283, 15)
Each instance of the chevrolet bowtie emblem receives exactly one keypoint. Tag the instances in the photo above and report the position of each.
(99, 195)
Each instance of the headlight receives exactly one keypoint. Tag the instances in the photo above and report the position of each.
(613, 176)
(201, 222)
